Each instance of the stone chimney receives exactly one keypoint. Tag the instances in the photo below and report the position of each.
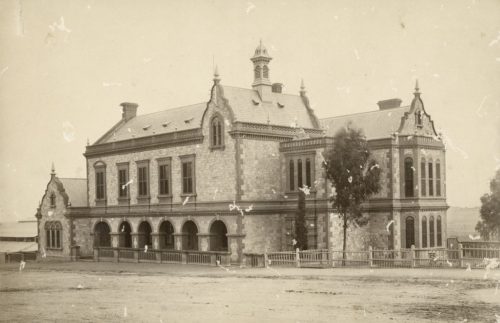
(129, 110)
(389, 104)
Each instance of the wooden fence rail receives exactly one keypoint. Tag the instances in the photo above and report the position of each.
(402, 258)
(212, 258)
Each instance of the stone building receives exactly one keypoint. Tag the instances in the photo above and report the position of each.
(224, 175)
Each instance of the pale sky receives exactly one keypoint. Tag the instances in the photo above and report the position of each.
(65, 66)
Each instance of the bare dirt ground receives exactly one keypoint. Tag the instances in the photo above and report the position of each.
(109, 292)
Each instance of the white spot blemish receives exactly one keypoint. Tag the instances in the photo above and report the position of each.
(68, 131)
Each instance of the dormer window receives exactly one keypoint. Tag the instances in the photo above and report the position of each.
(216, 132)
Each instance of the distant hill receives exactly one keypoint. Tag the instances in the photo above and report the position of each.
(461, 221)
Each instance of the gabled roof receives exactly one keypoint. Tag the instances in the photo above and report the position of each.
(76, 189)
(161, 122)
(282, 110)
(375, 124)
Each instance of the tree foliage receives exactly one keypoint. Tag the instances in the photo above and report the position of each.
(353, 173)
(300, 222)
(489, 225)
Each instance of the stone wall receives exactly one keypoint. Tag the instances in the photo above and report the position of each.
(263, 232)
(56, 213)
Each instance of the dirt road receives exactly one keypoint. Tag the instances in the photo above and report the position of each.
(108, 292)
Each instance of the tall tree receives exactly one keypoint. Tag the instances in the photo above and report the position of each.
(353, 174)
(300, 222)
(489, 225)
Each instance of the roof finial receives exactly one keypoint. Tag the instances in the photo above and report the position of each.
(216, 75)
(417, 89)
(53, 170)
(302, 87)
(88, 141)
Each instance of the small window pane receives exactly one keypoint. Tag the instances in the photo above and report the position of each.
(431, 180)
(292, 175)
(299, 173)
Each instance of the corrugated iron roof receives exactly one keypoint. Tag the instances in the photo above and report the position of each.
(15, 246)
(375, 124)
(18, 229)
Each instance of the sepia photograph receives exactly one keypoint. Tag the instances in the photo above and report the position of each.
(249, 161)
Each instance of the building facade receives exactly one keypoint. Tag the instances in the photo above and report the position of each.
(225, 174)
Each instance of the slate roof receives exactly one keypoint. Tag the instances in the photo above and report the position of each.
(76, 189)
(18, 229)
(161, 122)
(282, 110)
(375, 124)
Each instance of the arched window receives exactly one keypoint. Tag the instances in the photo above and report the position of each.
(424, 232)
(52, 200)
(431, 179)
(308, 172)
(265, 70)
(299, 173)
(409, 177)
(423, 181)
(419, 117)
(431, 231)
(410, 232)
(438, 178)
(292, 176)
(257, 72)
(439, 232)
(216, 132)
(53, 235)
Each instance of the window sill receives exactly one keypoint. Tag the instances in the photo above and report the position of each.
(100, 202)
(54, 249)
(188, 194)
(212, 148)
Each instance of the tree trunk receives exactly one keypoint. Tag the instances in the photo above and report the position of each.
(345, 240)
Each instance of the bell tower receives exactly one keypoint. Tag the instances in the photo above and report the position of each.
(261, 81)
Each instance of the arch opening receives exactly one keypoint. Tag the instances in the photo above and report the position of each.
(189, 236)
(125, 235)
(218, 236)
(102, 236)
(144, 235)
(166, 232)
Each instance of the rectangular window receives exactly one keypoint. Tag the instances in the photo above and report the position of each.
(187, 177)
(299, 173)
(423, 183)
(438, 179)
(431, 180)
(100, 184)
(47, 237)
(292, 175)
(164, 178)
(308, 172)
(123, 182)
(143, 181)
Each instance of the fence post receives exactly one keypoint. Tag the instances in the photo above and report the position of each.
(297, 258)
(460, 256)
(370, 256)
(184, 257)
(136, 255)
(116, 255)
(96, 254)
(266, 260)
(412, 256)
